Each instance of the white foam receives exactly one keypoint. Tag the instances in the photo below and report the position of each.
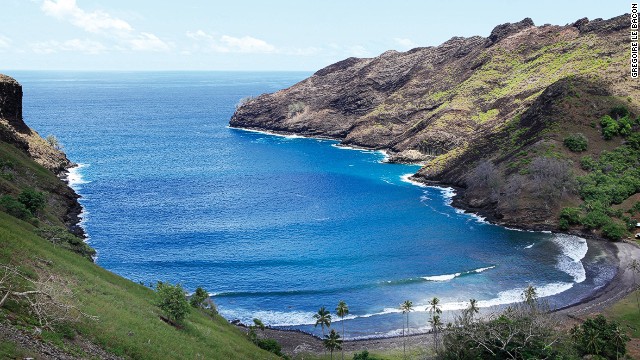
(529, 246)
(573, 250)
(406, 178)
(448, 277)
(75, 178)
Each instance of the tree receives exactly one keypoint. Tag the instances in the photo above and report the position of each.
(435, 309)
(323, 318)
(530, 295)
(33, 200)
(342, 310)
(199, 298)
(52, 140)
(600, 337)
(576, 142)
(635, 267)
(172, 301)
(332, 342)
(406, 308)
(472, 309)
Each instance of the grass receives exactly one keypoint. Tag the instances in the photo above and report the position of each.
(129, 322)
(626, 312)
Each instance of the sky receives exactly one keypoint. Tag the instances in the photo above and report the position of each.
(251, 35)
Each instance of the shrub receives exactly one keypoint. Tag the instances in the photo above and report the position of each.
(172, 301)
(14, 207)
(634, 141)
(587, 163)
(571, 215)
(576, 142)
(52, 140)
(270, 345)
(364, 355)
(600, 337)
(595, 219)
(61, 236)
(295, 108)
(614, 231)
(33, 200)
(618, 112)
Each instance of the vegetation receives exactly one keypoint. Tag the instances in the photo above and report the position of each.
(600, 337)
(62, 237)
(172, 301)
(342, 310)
(52, 140)
(332, 342)
(323, 318)
(576, 142)
(295, 108)
(406, 308)
(610, 179)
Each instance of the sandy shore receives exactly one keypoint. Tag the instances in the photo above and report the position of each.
(297, 342)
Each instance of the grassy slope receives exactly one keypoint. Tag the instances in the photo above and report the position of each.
(129, 323)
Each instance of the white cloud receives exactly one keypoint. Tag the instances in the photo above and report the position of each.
(148, 42)
(230, 44)
(358, 51)
(405, 43)
(78, 45)
(94, 21)
(5, 42)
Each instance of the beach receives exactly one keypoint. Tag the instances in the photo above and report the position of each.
(622, 253)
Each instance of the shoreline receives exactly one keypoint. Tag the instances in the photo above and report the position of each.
(620, 254)
(294, 342)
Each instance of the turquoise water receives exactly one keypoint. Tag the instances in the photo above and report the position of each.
(273, 226)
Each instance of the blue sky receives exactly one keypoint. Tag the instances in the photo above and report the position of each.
(250, 34)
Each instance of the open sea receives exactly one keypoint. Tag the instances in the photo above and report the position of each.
(276, 226)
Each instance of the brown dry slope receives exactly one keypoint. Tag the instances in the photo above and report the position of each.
(505, 99)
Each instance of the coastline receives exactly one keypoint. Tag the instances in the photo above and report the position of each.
(294, 342)
(619, 254)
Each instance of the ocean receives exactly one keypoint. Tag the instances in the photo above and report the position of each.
(276, 226)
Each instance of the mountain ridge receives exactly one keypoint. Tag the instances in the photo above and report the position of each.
(437, 106)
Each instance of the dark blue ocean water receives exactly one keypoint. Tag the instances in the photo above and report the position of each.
(276, 226)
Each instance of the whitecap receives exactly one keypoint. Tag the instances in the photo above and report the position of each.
(573, 250)
(447, 277)
(529, 246)
(407, 178)
(75, 178)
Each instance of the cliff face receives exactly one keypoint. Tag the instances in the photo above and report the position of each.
(452, 106)
(18, 172)
(15, 131)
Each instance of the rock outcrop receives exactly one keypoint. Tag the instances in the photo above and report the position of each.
(14, 130)
(62, 199)
(440, 106)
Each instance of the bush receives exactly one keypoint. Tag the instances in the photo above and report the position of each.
(364, 355)
(52, 140)
(576, 142)
(571, 215)
(587, 163)
(172, 301)
(33, 200)
(595, 219)
(295, 108)
(618, 112)
(634, 141)
(270, 345)
(614, 231)
(14, 207)
(198, 298)
(600, 337)
(61, 236)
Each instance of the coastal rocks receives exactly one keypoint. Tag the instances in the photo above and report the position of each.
(62, 199)
(14, 130)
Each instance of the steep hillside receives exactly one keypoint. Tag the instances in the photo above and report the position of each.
(55, 303)
(469, 101)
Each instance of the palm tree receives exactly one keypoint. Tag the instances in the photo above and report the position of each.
(635, 267)
(406, 308)
(332, 342)
(323, 318)
(435, 307)
(472, 309)
(342, 310)
(530, 295)
(436, 325)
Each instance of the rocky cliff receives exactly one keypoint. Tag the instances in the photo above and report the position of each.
(467, 101)
(16, 174)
